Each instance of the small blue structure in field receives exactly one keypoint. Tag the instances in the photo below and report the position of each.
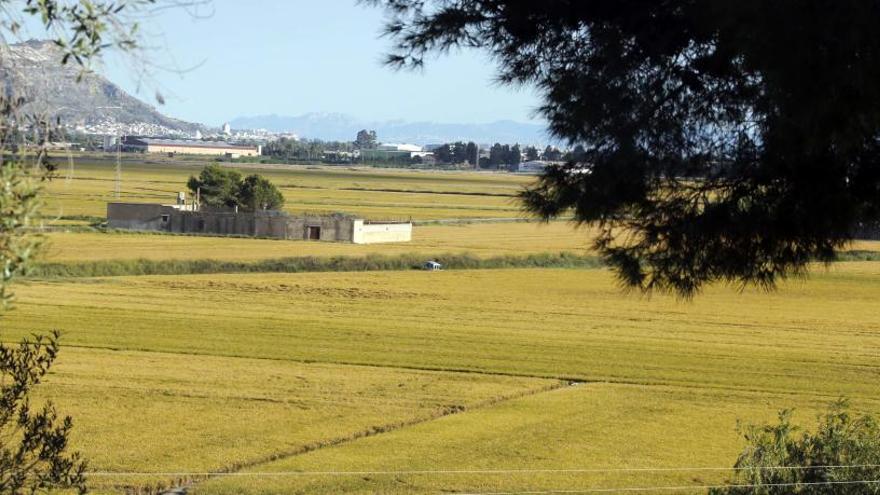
(432, 266)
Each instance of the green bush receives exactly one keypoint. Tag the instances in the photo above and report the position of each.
(842, 457)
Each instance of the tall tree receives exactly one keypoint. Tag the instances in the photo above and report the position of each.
(733, 141)
(459, 152)
(216, 186)
(497, 155)
(551, 154)
(443, 154)
(515, 156)
(366, 140)
(531, 153)
(257, 193)
(472, 153)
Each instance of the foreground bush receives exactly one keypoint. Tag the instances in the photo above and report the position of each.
(842, 457)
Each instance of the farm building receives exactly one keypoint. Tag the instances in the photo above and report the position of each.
(186, 219)
(188, 147)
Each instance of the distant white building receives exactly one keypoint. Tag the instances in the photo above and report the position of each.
(392, 150)
(227, 130)
(412, 148)
(532, 167)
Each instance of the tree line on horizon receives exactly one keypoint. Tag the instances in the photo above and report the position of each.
(497, 156)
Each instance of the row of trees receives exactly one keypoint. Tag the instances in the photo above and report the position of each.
(220, 187)
(500, 155)
(458, 152)
(306, 149)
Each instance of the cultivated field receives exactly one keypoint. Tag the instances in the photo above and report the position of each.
(480, 239)
(215, 372)
(474, 381)
(373, 193)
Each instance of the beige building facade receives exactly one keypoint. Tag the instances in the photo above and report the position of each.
(189, 147)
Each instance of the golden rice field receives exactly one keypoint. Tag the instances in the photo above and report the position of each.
(462, 381)
(481, 239)
(368, 192)
(385, 373)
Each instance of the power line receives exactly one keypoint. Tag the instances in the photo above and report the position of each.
(118, 187)
(480, 471)
(681, 487)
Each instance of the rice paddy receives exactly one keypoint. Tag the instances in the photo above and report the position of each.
(468, 381)
(372, 193)
(210, 364)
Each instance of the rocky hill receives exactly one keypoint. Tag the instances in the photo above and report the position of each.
(33, 69)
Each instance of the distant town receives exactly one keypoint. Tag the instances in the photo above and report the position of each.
(265, 146)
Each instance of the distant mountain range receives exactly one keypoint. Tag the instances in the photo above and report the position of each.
(96, 105)
(341, 127)
(33, 70)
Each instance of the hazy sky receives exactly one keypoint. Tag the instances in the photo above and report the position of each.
(295, 56)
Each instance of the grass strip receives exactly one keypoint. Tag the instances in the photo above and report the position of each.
(373, 262)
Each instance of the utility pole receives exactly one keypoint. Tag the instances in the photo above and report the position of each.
(118, 166)
(477, 157)
(118, 189)
(69, 168)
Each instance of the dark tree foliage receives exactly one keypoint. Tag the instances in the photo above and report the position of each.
(220, 187)
(366, 140)
(842, 453)
(498, 155)
(457, 152)
(515, 156)
(305, 149)
(38, 460)
(551, 154)
(443, 153)
(732, 141)
(531, 153)
(257, 193)
(471, 152)
(216, 186)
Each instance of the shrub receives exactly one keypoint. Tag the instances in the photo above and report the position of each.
(841, 457)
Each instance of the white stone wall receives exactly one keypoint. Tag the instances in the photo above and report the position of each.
(372, 233)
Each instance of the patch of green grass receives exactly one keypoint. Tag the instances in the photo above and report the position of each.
(305, 264)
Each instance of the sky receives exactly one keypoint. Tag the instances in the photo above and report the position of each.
(289, 57)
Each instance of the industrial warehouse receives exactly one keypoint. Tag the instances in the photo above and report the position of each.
(189, 147)
(189, 219)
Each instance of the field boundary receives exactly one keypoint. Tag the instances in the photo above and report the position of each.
(304, 264)
(182, 485)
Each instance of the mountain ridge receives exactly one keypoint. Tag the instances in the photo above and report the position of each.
(32, 69)
(343, 127)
